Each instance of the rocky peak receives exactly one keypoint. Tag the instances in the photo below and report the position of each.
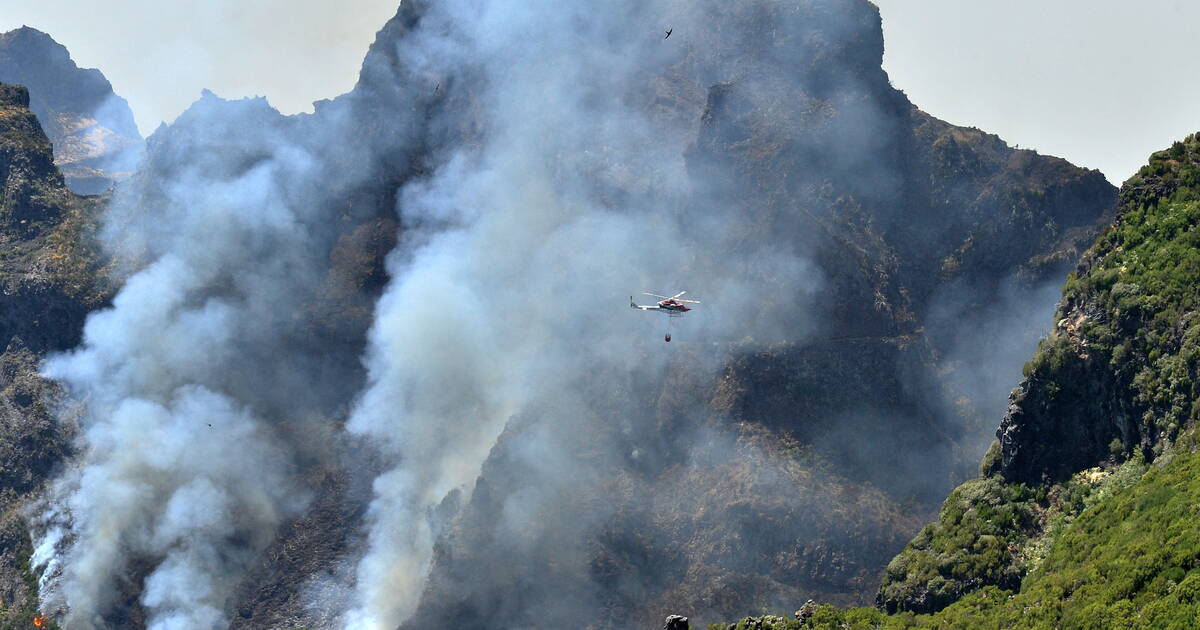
(95, 138)
(894, 220)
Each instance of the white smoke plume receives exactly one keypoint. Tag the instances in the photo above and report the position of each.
(523, 247)
(182, 472)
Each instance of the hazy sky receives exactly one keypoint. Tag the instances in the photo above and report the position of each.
(1102, 83)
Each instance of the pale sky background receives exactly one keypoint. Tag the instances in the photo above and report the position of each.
(1102, 83)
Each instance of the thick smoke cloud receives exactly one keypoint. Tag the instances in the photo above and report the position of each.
(521, 250)
(200, 394)
(485, 306)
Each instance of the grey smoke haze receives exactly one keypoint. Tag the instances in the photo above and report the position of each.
(986, 348)
(575, 193)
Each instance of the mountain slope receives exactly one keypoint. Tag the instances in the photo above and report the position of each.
(1124, 557)
(1113, 381)
(48, 272)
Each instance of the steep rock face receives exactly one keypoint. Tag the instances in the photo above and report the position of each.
(46, 273)
(95, 138)
(48, 276)
(28, 163)
(1116, 366)
(1111, 387)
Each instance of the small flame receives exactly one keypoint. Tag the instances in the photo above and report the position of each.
(40, 621)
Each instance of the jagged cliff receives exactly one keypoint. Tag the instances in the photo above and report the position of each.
(95, 138)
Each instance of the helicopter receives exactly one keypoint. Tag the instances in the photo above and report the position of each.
(674, 306)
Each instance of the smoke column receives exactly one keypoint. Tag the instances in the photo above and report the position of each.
(483, 303)
(523, 246)
(184, 465)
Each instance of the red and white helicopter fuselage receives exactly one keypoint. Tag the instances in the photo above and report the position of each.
(673, 306)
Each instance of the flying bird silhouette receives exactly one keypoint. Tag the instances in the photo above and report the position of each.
(669, 31)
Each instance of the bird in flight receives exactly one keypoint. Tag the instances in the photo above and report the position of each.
(669, 31)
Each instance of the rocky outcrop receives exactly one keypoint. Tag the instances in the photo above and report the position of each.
(96, 141)
(1109, 380)
(1082, 391)
(46, 272)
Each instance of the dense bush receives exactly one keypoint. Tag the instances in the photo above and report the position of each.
(972, 544)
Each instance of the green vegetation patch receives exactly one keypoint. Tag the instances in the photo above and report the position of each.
(1141, 292)
(973, 543)
(992, 533)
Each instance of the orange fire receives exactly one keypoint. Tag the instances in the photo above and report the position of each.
(40, 621)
